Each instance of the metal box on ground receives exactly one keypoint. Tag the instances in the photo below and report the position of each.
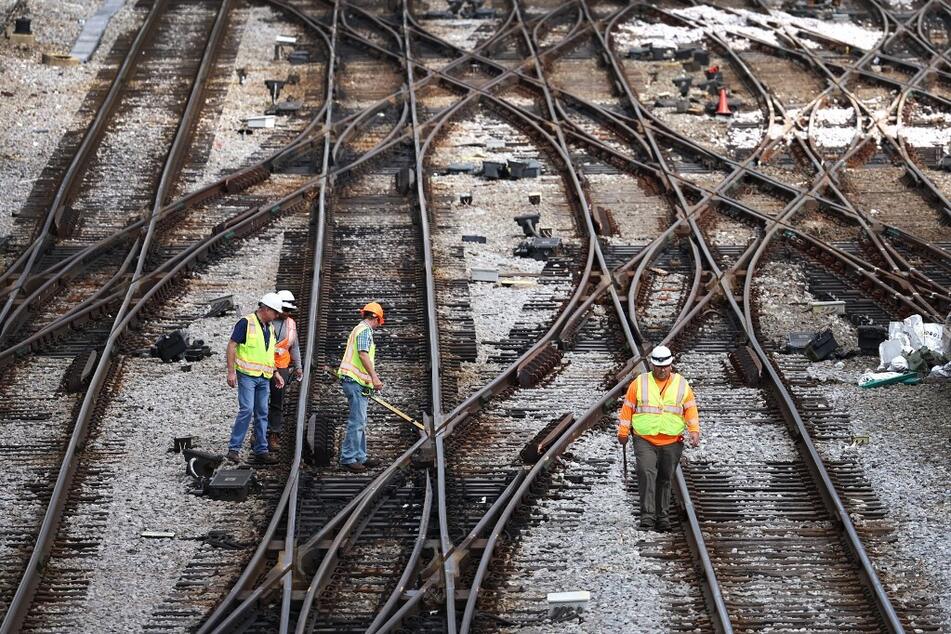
(822, 346)
(231, 485)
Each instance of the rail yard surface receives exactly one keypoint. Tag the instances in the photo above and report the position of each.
(538, 193)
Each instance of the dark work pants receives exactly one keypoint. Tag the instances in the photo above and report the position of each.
(275, 412)
(655, 472)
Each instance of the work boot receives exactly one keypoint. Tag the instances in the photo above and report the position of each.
(273, 441)
(354, 467)
(234, 456)
(371, 463)
(646, 524)
(265, 458)
(662, 526)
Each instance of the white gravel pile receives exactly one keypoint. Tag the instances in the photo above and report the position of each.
(640, 33)
(835, 127)
(602, 553)
(463, 33)
(731, 434)
(906, 463)
(496, 309)
(151, 491)
(784, 306)
(728, 22)
(231, 150)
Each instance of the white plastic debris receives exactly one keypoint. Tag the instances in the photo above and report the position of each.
(898, 364)
(941, 372)
(907, 336)
(558, 601)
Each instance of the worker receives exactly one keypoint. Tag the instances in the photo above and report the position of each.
(357, 374)
(286, 353)
(660, 406)
(250, 361)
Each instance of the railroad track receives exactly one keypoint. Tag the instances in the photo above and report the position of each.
(673, 256)
(83, 492)
(726, 250)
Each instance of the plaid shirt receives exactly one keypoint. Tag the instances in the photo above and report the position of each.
(365, 340)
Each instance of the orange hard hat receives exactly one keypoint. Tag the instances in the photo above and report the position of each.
(374, 308)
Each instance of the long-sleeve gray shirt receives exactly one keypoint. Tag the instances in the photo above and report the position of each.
(280, 331)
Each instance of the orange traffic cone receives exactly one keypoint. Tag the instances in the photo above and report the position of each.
(723, 108)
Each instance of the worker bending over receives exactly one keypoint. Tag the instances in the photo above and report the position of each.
(660, 406)
(357, 373)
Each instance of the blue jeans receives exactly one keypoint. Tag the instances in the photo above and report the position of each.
(253, 392)
(354, 448)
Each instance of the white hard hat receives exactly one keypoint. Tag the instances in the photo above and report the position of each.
(661, 356)
(288, 298)
(271, 300)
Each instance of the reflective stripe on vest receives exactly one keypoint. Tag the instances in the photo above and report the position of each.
(655, 413)
(252, 358)
(351, 365)
(282, 353)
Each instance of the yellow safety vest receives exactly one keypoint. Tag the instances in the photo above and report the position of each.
(252, 357)
(655, 414)
(351, 365)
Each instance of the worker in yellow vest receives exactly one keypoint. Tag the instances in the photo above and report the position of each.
(357, 374)
(250, 361)
(660, 406)
(286, 355)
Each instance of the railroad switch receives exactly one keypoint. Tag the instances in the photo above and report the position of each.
(425, 456)
(540, 249)
(22, 34)
(529, 224)
(274, 87)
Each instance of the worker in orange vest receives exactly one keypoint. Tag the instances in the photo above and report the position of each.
(660, 407)
(286, 354)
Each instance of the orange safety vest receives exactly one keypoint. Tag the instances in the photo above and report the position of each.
(282, 353)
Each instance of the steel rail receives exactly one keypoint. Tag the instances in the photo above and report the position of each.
(561, 147)
(292, 487)
(79, 161)
(349, 531)
(23, 598)
(445, 543)
(738, 174)
(852, 211)
(820, 182)
(804, 441)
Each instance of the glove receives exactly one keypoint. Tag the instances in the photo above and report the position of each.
(622, 438)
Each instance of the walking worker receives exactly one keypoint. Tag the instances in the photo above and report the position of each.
(286, 353)
(660, 406)
(357, 374)
(250, 368)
